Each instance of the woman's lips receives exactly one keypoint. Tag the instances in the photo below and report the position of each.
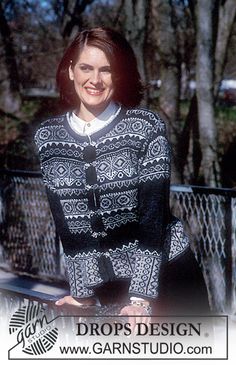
(94, 91)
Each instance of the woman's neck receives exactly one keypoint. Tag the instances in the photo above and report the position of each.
(89, 113)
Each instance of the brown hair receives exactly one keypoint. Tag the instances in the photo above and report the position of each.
(128, 88)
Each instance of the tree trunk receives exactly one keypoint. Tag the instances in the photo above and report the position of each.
(170, 74)
(10, 100)
(204, 79)
(226, 20)
(72, 20)
(136, 14)
(189, 146)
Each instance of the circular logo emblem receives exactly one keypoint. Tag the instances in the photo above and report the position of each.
(35, 333)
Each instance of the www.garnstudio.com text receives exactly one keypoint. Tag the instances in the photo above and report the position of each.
(134, 348)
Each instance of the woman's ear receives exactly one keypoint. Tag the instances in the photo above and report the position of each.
(71, 73)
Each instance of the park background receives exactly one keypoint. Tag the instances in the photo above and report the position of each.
(186, 52)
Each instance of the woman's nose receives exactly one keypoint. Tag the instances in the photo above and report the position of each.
(95, 77)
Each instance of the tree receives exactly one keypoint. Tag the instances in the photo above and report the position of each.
(167, 47)
(72, 15)
(187, 42)
(227, 13)
(205, 10)
(135, 26)
(214, 21)
(10, 100)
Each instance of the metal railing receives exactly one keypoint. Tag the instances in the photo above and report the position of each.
(210, 218)
(30, 244)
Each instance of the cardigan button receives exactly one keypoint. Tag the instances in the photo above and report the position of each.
(89, 153)
(97, 223)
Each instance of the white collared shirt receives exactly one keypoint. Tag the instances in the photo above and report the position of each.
(84, 128)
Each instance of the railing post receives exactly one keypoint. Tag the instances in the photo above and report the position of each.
(228, 253)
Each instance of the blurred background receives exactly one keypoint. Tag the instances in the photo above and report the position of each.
(186, 52)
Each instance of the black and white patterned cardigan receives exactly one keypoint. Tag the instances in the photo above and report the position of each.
(109, 196)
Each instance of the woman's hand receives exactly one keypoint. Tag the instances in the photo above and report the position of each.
(76, 302)
(131, 311)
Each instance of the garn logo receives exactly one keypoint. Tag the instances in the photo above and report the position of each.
(34, 332)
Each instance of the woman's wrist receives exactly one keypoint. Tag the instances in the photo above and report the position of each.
(145, 304)
(138, 299)
(86, 301)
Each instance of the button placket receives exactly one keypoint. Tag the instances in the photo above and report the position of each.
(89, 154)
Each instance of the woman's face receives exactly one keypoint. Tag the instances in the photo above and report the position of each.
(92, 79)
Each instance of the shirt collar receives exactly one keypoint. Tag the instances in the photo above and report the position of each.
(82, 127)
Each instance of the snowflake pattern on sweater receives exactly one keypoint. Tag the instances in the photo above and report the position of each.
(109, 196)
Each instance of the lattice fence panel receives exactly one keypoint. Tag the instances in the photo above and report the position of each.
(28, 236)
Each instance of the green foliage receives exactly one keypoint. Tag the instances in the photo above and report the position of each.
(226, 127)
(225, 114)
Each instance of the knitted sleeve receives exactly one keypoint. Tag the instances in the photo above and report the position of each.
(154, 181)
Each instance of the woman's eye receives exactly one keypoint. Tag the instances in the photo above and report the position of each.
(88, 68)
(85, 68)
(106, 70)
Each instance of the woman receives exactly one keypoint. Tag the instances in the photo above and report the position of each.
(106, 167)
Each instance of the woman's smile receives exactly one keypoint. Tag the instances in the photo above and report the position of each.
(92, 91)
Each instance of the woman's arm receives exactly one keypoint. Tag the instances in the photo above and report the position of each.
(154, 181)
